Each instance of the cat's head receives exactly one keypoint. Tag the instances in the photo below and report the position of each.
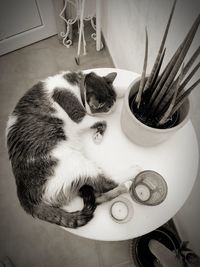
(100, 95)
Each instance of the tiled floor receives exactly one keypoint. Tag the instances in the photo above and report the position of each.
(26, 241)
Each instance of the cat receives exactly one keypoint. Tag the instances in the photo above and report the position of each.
(43, 140)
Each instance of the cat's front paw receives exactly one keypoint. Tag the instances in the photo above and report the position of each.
(100, 127)
(97, 138)
(100, 130)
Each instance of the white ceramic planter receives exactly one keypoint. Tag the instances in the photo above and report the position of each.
(144, 135)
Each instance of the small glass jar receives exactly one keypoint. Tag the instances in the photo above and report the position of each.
(149, 188)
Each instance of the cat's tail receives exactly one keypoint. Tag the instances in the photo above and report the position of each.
(69, 219)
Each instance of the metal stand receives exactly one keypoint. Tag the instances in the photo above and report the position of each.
(79, 6)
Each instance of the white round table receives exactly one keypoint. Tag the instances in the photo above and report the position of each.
(176, 160)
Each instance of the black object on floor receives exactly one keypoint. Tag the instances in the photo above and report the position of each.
(140, 252)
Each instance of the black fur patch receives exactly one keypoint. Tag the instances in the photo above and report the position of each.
(69, 219)
(63, 218)
(36, 131)
(100, 127)
(30, 141)
(73, 77)
(70, 104)
(87, 193)
(100, 184)
(34, 101)
(30, 179)
(103, 91)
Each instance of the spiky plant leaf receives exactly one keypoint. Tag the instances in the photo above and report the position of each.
(187, 66)
(185, 71)
(142, 81)
(187, 79)
(188, 41)
(182, 98)
(165, 75)
(156, 77)
(166, 115)
(155, 66)
(191, 61)
(170, 92)
(167, 97)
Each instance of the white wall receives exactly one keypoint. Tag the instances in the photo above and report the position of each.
(123, 27)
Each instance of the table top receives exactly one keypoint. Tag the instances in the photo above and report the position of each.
(176, 160)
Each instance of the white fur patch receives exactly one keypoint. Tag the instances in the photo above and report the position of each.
(11, 121)
(72, 165)
(70, 127)
(97, 138)
(55, 81)
(58, 81)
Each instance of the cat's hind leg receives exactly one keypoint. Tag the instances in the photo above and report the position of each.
(63, 218)
(54, 213)
(123, 187)
(100, 184)
(115, 192)
(72, 173)
(57, 215)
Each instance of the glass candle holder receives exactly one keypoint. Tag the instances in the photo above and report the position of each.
(149, 188)
(121, 210)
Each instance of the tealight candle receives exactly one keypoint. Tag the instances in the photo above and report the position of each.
(119, 210)
(142, 192)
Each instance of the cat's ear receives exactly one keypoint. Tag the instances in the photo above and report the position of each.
(110, 77)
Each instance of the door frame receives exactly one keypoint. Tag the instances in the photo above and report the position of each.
(47, 29)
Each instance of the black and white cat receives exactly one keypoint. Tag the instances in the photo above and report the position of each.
(44, 146)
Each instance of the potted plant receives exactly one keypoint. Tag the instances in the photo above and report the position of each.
(162, 247)
(140, 251)
(157, 105)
